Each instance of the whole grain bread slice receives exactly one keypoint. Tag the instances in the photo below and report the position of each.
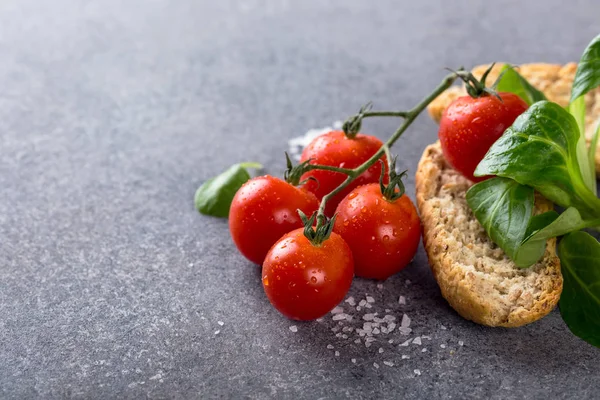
(552, 79)
(475, 276)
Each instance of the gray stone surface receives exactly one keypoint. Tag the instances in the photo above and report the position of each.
(111, 114)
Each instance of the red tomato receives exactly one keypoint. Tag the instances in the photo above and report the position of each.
(335, 149)
(383, 234)
(263, 210)
(304, 281)
(469, 127)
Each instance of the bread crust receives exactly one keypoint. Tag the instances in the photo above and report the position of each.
(552, 79)
(475, 276)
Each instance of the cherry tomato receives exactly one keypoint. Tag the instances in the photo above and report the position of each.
(263, 210)
(469, 127)
(383, 234)
(304, 281)
(335, 149)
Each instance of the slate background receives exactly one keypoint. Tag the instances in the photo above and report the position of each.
(113, 112)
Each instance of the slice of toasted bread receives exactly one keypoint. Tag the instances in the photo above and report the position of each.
(554, 80)
(475, 276)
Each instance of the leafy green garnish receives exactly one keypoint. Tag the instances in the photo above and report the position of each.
(540, 150)
(511, 81)
(579, 303)
(587, 76)
(504, 208)
(215, 195)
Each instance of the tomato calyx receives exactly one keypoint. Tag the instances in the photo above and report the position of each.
(476, 87)
(395, 188)
(320, 232)
(293, 174)
(352, 125)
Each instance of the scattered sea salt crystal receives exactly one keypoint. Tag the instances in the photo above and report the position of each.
(370, 339)
(335, 329)
(380, 350)
(405, 331)
(330, 346)
(221, 323)
(367, 344)
(389, 363)
(405, 357)
(339, 334)
(417, 372)
(370, 299)
(337, 310)
(406, 343)
(402, 300)
(426, 337)
(379, 286)
(461, 343)
(387, 310)
(217, 332)
(405, 321)
(357, 341)
(391, 341)
(337, 353)
(294, 328)
(362, 303)
(319, 319)
(296, 144)
(344, 336)
(417, 340)
(443, 327)
(376, 365)
(384, 329)
(443, 346)
(376, 331)
(350, 300)
(353, 361)
(190, 265)
(424, 350)
(389, 318)
(338, 317)
(368, 317)
(408, 282)
(368, 305)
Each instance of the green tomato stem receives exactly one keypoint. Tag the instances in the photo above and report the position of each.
(409, 117)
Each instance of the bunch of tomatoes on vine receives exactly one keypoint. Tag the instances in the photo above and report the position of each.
(342, 210)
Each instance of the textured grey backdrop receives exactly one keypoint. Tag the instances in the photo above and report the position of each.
(111, 114)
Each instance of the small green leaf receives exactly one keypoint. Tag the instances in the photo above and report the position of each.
(511, 81)
(504, 208)
(577, 110)
(579, 303)
(214, 196)
(546, 226)
(587, 76)
(592, 150)
(541, 150)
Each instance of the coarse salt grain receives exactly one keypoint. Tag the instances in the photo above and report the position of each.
(387, 310)
(376, 331)
(405, 321)
(442, 327)
(461, 343)
(221, 323)
(357, 341)
(370, 299)
(426, 337)
(339, 334)
(344, 336)
(417, 340)
(408, 282)
(380, 350)
(405, 331)
(217, 332)
(389, 363)
(353, 361)
(443, 346)
(376, 365)
(391, 341)
(330, 346)
(402, 300)
(405, 357)
(424, 350)
(294, 328)
(350, 300)
(417, 372)
(406, 343)
(368, 305)
(368, 317)
(339, 317)
(337, 310)
(319, 319)
(337, 353)
(379, 286)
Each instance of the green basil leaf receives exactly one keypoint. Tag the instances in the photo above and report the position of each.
(504, 208)
(546, 226)
(579, 303)
(587, 76)
(577, 110)
(215, 195)
(540, 150)
(593, 148)
(511, 81)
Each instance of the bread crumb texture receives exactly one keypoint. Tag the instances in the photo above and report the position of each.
(552, 79)
(475, 276)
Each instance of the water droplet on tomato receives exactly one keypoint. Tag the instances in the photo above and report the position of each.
(386, 238)
(376, 202)
(364, 209)
(373, 238)
(346, 222)
(278, 277)
(313, 279)
(352, 195)
(265, 281)
(394, 233)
